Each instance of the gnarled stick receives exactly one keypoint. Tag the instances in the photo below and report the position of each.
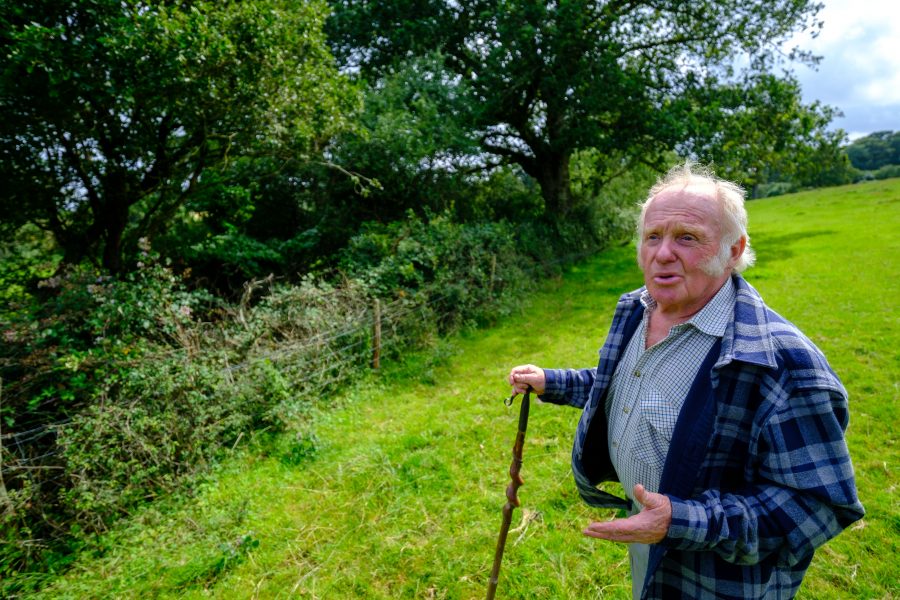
(512, 497)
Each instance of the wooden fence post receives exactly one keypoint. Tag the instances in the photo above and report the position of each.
(4, 496)
(376, 343)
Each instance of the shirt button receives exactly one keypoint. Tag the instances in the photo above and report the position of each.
(625, 410)
(637, 373)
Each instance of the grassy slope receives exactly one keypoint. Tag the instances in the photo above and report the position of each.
(402, 497)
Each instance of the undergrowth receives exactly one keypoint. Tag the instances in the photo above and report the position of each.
(117, 391)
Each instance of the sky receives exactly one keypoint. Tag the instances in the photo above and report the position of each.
(860, 68)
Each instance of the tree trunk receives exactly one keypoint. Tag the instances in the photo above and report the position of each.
(113, 227)
(551, 171)
(114, 219)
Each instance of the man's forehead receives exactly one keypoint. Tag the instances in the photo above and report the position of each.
(697, 189)
(700, 198)
(689, 205)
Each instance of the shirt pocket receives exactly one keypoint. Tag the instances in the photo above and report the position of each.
(658, 418)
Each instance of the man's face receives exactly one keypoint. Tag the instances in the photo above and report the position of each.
(681, 234)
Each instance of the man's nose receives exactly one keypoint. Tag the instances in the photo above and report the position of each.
(665, 252)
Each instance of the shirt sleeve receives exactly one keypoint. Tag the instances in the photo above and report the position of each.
(568, 386)
(803, 495)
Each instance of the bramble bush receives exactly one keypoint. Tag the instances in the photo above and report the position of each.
(66, 360)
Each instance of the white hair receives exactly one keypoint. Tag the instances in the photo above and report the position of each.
(730, 197)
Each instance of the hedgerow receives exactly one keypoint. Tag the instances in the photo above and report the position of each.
(118, 390)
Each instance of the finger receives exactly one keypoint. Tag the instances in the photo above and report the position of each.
(522, 379)
(516, 372)
(529, 374)
(641, 495)
(521, 388)
(617, 530)
(647, 499)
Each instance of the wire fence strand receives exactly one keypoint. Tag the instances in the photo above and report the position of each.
(330, 358)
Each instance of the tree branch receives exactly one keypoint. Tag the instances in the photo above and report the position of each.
(528, 163)
(660, 43)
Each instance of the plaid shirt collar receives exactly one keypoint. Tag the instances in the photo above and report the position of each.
(748, 337)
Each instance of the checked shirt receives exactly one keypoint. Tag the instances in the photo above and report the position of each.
(758, 470)
(649, 387)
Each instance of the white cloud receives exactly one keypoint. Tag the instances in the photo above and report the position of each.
(860, 68)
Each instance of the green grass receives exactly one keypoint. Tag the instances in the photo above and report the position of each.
(398, 495)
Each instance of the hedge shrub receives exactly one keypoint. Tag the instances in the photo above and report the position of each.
(117, 390)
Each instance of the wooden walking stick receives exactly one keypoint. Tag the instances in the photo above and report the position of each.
(512, 498)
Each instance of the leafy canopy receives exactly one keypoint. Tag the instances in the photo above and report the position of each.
(760, 132)
(544, 79)
(875, 150)
(114, 109)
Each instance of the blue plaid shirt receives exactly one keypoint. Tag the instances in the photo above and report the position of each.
(758, 470)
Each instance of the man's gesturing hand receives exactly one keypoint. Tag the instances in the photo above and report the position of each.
(647, 527)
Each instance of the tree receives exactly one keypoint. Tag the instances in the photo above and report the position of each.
(402, 133)
(763, 133)
(544, 79)
(113, 110)
(824, 163)
(875, 150)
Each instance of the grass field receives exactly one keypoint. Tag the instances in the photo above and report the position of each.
(398, 492)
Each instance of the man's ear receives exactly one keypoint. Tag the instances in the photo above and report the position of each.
(737, 249)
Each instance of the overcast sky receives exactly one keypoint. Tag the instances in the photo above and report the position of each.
(860, 68)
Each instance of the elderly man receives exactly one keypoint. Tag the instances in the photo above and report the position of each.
(723, 422)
